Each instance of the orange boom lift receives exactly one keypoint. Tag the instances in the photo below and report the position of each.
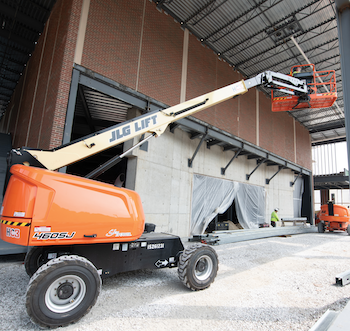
(321, 90)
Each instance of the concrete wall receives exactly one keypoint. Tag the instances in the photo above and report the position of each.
(164, 180)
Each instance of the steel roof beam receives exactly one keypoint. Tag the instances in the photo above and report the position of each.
(287, 67)
(236, 21)
(272, 26)
(22, 19)
(200, 11)
(281, 44)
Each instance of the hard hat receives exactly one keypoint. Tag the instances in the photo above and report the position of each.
(276, 209)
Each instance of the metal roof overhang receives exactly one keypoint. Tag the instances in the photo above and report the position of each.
(255, 36)
(333, 181)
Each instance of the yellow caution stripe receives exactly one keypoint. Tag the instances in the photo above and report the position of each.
(15, 223)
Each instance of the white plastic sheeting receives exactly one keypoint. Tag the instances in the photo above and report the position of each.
(297, 196)
(250, 205)
(212, 196)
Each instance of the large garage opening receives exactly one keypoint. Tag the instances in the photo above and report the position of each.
(95, 111)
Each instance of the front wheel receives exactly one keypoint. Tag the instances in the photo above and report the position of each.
(62, 291)
(320, 227)
(198, 266)
(348, 229)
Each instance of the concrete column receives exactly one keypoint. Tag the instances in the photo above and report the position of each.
(324, 196)
(81, 32)
(343, 20)
(184, 66)
(257, 117)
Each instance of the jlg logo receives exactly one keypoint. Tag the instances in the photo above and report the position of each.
(53, 235)
(13, 233)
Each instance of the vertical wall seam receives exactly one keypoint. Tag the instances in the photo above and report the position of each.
(78, 54)
(184, 66)
(8, 120)
(37, 83)
(20, 103)
(257, 117)
(140, 48)
(295, 142)
(48, 79)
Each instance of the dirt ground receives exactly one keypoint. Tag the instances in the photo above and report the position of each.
(277, 283)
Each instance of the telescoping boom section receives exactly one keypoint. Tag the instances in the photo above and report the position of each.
(154, 123)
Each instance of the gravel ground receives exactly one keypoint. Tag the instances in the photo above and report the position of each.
(278, 283)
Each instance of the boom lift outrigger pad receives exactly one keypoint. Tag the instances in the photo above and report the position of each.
(81, 231)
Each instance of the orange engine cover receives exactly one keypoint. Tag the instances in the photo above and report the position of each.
(43, 207)
(335, 216)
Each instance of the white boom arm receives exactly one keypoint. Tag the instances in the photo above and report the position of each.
(155, 122)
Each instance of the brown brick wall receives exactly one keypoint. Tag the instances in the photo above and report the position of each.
(112, 39)
(161, 57)
(64, 57)
(201, 76)
(303, 146)
(226, 113)
(112, 48)
(42, 103)
(247, 116)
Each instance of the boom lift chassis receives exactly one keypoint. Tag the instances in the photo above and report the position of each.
(66, 274)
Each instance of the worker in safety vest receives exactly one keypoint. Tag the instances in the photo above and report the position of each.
(274, 217)
(295, 70)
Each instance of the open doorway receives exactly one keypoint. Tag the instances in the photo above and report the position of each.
(95, 111)
(226, 221)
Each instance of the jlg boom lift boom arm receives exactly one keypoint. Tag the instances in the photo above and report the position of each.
(81, 230)
(155, 122)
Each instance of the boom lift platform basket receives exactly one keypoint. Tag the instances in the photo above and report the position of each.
(322, 91)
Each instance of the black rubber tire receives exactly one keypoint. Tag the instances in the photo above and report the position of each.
(62, 291)
(348, 229)
(320, 227)
(33, 260)
(198, 266)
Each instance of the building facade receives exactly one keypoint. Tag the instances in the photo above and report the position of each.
(108, 49)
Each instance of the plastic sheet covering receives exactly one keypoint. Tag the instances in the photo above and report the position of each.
(297, 197)
(250, 206)
(212, 196)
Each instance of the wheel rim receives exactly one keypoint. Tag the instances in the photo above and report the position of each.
(65, 294)
(203, 267)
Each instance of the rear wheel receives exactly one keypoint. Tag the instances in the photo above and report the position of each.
(62, 291)
(320, 227)
(348, 229)
(198, 266)
(34, 260)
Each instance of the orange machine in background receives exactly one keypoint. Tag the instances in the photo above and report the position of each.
(333, 217)
(318, 82)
